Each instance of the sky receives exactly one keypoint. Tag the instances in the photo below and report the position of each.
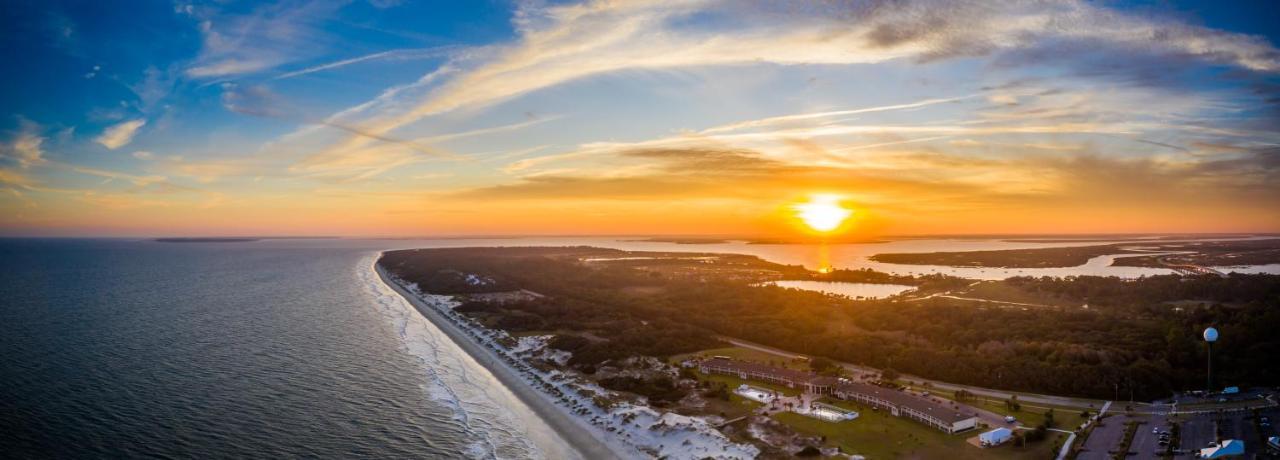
(402, 118)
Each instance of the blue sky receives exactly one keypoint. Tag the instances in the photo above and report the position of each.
(698, 116)
(89, 61)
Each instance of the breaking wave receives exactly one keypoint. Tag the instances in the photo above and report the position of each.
(452, 378)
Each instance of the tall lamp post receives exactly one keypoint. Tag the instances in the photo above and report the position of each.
(1210, 336)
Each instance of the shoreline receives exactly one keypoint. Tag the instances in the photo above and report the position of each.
(571, 428)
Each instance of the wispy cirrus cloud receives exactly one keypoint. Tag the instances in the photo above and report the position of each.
(134, 179)
(562, 44)
(262, 39)
(533, 121)
(804, 117)
(259, 101)
(121, 134)
(397, 54)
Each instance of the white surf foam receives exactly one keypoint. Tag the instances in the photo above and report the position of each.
(448, 377)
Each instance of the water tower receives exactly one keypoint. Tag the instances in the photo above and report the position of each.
(1210, 336)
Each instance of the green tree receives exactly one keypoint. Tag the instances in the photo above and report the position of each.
(889, 375)
(822, 365)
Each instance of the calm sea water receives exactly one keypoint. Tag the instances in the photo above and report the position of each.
(268, 349)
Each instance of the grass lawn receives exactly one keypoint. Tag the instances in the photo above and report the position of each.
(742, 354)
(1064, 418)
(879, 435)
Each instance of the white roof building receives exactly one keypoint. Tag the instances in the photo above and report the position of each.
(995, 437)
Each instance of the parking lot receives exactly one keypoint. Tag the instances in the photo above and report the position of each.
(1202, 421)
(1256, 443)
(1197, 432)
(1146, 442)
(1106, 436)
(1200, 430)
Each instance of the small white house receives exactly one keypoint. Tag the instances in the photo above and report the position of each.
(995, 437)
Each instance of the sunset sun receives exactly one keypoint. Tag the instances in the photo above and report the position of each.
(822, 213)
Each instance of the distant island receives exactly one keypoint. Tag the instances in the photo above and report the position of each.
(235, 239)
(1155, 254)
(681, 240)
(206, 240)
(1125, 237)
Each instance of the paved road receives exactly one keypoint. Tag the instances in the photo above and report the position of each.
(1063, 401)
(975, 299)
(992, 419)
(1066, 447)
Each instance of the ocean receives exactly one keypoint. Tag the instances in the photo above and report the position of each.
(266, 349)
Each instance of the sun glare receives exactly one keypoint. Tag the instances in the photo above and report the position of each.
(822, 213)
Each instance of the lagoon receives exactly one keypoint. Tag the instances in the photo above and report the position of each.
(852, 290)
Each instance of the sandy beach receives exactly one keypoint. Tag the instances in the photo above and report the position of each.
(571, 428)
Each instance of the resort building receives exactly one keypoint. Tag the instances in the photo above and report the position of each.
(903, 404)
(898, 403)
(809, 382)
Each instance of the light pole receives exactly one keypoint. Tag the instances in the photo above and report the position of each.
(1210, 336)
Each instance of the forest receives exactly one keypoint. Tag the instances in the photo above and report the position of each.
(1138, 337)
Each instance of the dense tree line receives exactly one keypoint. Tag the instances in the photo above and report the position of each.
(1131, 340)
(1151, 290)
